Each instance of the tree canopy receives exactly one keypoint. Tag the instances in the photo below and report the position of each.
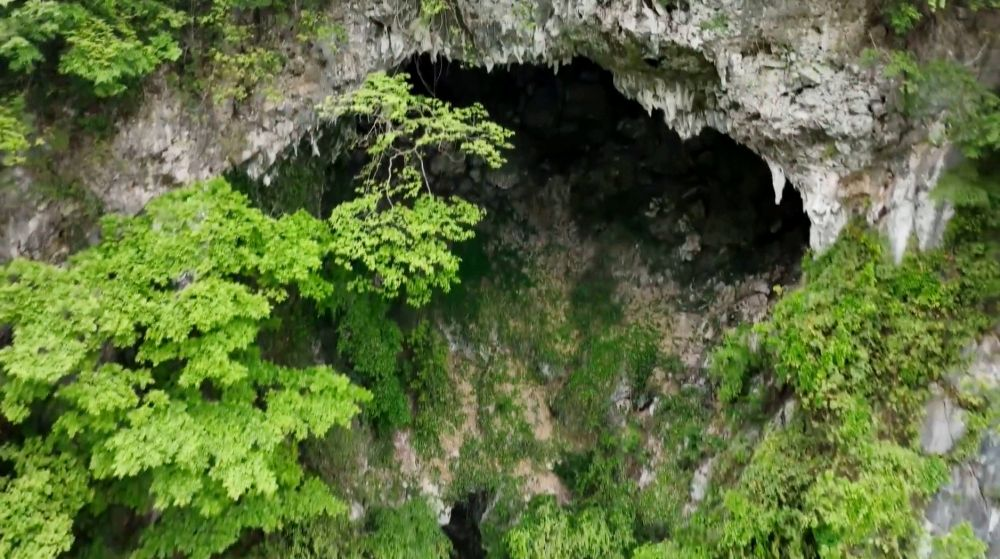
(131, 377)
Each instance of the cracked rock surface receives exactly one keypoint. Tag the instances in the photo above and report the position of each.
(783, 78)
(973, 493)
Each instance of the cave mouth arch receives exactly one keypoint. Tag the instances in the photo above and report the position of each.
(606, 202)
(625, 167)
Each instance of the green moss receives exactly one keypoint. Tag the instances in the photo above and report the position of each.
(681, 424)
(593, 306)
(719, 22)
(626, 355)
(432, 391)
(488, 270)
(299, 185)
(733, 364)
(504, 436)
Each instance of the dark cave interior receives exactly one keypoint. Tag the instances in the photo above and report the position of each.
(625, 165)
(628, 174)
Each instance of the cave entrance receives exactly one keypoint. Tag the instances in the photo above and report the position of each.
(463, 526)
(707, 202)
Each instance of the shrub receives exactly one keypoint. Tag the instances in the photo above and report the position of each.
(549, 532)
(408, 532)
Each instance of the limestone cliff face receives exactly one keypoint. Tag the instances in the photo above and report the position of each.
(782, 77)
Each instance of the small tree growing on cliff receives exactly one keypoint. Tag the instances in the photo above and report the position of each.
(387, 222)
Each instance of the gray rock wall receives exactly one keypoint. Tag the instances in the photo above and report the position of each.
(973, 493)
(782, 77)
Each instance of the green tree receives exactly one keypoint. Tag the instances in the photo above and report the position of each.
(14, 130)
(396, 228)
(134, 379)
(108, 45)
(132, 376)
(88, 52)
(903, 15)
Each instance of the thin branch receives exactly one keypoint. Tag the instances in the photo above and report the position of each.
(423, 171)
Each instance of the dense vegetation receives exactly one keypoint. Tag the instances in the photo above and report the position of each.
(131, 379)
(95, 51)
(185, 387)
(856, 347)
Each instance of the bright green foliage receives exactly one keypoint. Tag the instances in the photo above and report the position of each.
(394, 238)
(39, 502)
(428, 381)
(903, 15)
(960, 543)
(601, 474)
(431, 8)
(930, 89)
(733, 363)
(14, 131)
(408, 532)
(669, 550)
(601, 522)
(106, 44)
(396, 228)
(549, 532)
(795, 502)
(404, 247)
(858, 344)
(137, 364)
(868, 512)
(765, 513)
(868, 330)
